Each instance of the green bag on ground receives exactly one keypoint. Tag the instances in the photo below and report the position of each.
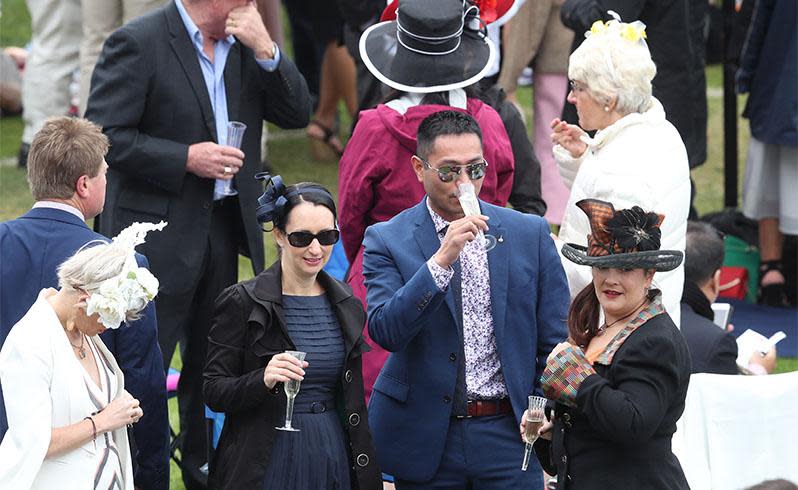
(738, 253)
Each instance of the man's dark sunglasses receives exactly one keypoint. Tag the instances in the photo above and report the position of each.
(305, 238)
(448, 173)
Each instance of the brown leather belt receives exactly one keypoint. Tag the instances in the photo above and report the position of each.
(484, 408)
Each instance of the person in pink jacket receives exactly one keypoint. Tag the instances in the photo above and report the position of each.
(376, 179)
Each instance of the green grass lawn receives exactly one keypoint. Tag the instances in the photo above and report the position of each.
(290, 156)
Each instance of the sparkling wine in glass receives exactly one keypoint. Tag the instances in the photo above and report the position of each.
(534, 421)
(291, 388)
(468, 200)
(235, 134)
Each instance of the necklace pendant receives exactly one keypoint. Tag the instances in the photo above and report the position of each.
(82, 353)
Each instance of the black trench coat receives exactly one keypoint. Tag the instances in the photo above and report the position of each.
(248, 329)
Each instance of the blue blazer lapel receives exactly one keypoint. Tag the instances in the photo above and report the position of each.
(498, 264)
(429, 243)
(186, 54)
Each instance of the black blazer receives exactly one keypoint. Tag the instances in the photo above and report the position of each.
(149, 95)
(248, 329)
(619, 435)
(712, 349)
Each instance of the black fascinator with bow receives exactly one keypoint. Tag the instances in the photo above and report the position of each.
(276, 195)
(271, 202)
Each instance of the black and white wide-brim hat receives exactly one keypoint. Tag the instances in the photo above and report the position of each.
(432, 46)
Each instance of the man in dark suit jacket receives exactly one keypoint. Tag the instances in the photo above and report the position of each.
(67, 174)
(164, 88)
(712, 349)
(468, 330)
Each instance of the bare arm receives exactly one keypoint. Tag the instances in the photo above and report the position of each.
(65, 439)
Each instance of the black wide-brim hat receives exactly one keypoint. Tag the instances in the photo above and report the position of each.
(660, 260)
(432, 46)
(622, 239)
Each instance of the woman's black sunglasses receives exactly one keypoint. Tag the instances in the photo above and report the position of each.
(305, 238)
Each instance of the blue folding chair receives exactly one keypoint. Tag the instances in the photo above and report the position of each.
(215, 422)
(337, 265)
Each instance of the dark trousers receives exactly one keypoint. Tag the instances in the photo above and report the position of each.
(308, 49)
(187, 318)
(482, 453)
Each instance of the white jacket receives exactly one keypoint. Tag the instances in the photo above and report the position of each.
(639, 160)
(40, 376)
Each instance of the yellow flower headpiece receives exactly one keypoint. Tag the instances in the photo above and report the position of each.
(633, 32)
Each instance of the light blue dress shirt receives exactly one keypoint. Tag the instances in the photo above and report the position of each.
(213, 72)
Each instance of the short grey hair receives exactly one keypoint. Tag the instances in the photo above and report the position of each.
(96, 262)
(614, 68)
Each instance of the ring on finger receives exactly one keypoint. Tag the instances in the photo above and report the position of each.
(227, 170)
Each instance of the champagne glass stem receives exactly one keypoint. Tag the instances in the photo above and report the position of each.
(289, 411)
(527, 455)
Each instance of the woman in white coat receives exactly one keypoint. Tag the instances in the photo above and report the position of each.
(64, 392)
(636, 157)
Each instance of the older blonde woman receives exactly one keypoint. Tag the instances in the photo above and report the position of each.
(636, 156)
(64, 392)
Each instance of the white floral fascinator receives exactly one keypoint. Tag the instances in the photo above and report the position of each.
(132, 288)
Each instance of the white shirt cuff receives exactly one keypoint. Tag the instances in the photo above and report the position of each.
(270, 65)
(441, 276)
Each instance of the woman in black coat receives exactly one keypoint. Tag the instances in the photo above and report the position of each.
(293, 305)
(620, 385)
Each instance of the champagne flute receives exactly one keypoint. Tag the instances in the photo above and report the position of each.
(468, 200)
(235, 133)
(534, 421)
(291, 388)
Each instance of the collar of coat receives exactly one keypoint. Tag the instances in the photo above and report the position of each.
(266, 290)
(268, 286)
(654, 114)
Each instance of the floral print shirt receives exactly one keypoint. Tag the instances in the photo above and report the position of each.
(483, 373)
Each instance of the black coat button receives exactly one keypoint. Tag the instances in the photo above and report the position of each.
(447, 399)
(362, 460)
(452, 357)
(348, 376)
(354, 419)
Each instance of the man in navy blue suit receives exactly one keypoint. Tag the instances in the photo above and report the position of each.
(469, 330)
(66, 173)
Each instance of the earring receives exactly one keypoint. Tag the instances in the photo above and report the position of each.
(606, 108)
